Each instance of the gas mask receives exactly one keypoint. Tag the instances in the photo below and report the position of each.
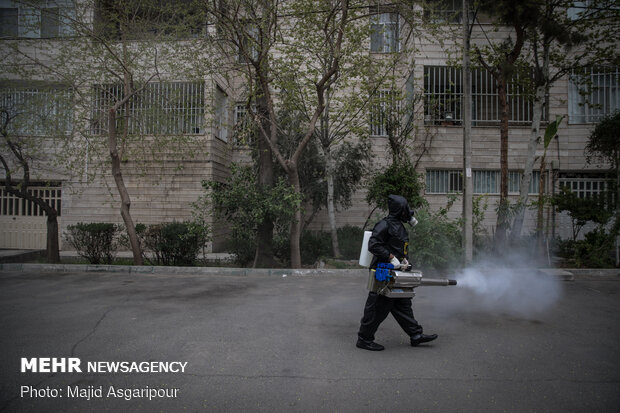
(409, 218)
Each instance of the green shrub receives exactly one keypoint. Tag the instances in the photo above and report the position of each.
(95, 242)
(175, 243)
(315, 245)
(435, 243)
(350, 241)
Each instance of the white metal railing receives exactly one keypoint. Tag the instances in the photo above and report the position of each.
(170, 108)
(11, 205)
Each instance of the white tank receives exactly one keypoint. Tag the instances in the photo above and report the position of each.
(365, 255)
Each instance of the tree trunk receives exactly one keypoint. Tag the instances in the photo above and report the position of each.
(122, 189)
(524, 187)
(295, 233)
(502, 224)
(468, 237)
(52, 249)
(264, 257)
(539, 215)
(331, 207)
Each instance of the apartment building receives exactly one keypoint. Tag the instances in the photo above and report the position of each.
(206, 110)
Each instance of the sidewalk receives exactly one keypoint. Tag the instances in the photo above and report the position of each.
(13, 260)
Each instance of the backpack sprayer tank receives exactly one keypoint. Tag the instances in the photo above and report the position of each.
(391, 283)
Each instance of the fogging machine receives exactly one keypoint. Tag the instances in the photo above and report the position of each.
(385, 280)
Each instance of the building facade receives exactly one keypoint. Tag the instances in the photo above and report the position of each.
(208, 109)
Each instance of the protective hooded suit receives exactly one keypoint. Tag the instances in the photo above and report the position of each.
(389, 236)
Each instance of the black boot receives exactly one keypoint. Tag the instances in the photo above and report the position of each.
(369, 345)
(422, 338)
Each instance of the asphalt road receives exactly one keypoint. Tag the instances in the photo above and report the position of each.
(277, 344)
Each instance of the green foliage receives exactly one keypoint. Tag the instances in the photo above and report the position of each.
(242, 204)
(317, 245)
(399, 179)
(594, 251)
(604, 142)
(175, 243)
(581, 210)
(435, 243)
(479, 231)
(350, 240)
(95, 242)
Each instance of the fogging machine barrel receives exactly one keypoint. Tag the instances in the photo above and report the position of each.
(436, 281)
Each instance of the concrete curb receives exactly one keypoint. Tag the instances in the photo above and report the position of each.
(594, 272)
(212, 271)
(562, 274)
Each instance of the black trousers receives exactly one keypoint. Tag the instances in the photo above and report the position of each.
(377, 309)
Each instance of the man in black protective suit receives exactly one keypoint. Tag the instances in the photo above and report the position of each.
(388, 243)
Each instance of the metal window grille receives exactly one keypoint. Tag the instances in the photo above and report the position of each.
(444, 181)
(514, 182)
(593, 94)
(443, 95)
(11, 205)
(384, 112)
(384, 32)
(486, 182)
(38, 111)
(161, 108)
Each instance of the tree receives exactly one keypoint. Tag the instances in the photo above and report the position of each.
(604, 144)
(502, 60)
(124, 46)
(253, 28)
(559, 42)
(22, 119)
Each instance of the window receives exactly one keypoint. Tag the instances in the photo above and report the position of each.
(248, 48)
(444, 181)
(173, 108)
(50, 22)
(443, 95)
(450, 11)
(47, 20)
(514, 182)
(584, 185)
(46, 110)
(243, 133)
(180, 19)
(11, 205)
(593, 94)
(221, 114)
(484, 181)
(384, 112)
(384, 32)
(8, 22)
